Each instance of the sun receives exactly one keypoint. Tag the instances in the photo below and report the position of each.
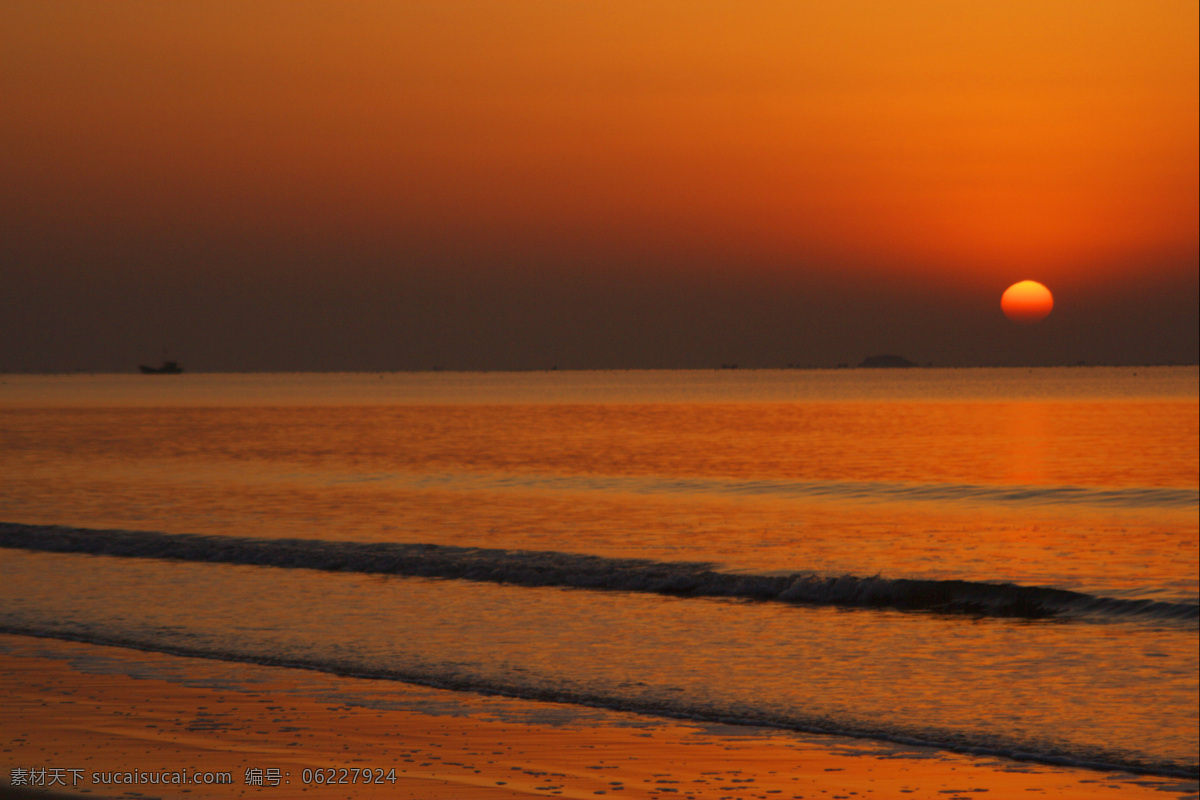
(1027, 302)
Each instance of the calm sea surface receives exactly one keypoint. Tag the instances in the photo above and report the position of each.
(995, 560)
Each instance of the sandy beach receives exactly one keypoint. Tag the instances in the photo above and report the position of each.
(94, 728)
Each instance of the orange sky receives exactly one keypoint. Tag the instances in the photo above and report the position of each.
(969, 143)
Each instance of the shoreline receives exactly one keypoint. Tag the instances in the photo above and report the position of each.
(585, 706)
(100, 710)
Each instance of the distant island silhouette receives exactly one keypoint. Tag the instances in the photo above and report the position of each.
(887, 361)
(167, 368)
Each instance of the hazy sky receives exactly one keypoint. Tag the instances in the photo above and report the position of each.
(506, 184)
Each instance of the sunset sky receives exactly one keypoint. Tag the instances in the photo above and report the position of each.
(495, 184)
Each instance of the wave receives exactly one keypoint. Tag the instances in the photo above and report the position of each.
(978, 743)
(1135, 497)
(573, 570)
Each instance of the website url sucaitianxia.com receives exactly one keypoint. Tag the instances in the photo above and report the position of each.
(46, 777)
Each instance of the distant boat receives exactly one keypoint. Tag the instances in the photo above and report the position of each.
(167, 368)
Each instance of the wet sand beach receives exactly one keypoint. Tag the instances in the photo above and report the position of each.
(60, 715)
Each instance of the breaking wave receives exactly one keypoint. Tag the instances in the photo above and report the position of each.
(572, 570)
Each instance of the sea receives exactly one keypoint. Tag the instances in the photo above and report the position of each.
(997, 561)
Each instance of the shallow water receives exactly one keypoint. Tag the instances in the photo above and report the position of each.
(1080, 480)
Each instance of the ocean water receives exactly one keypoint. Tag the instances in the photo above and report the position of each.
(988, 560)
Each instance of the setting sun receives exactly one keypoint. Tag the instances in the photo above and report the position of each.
(1027, 301)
